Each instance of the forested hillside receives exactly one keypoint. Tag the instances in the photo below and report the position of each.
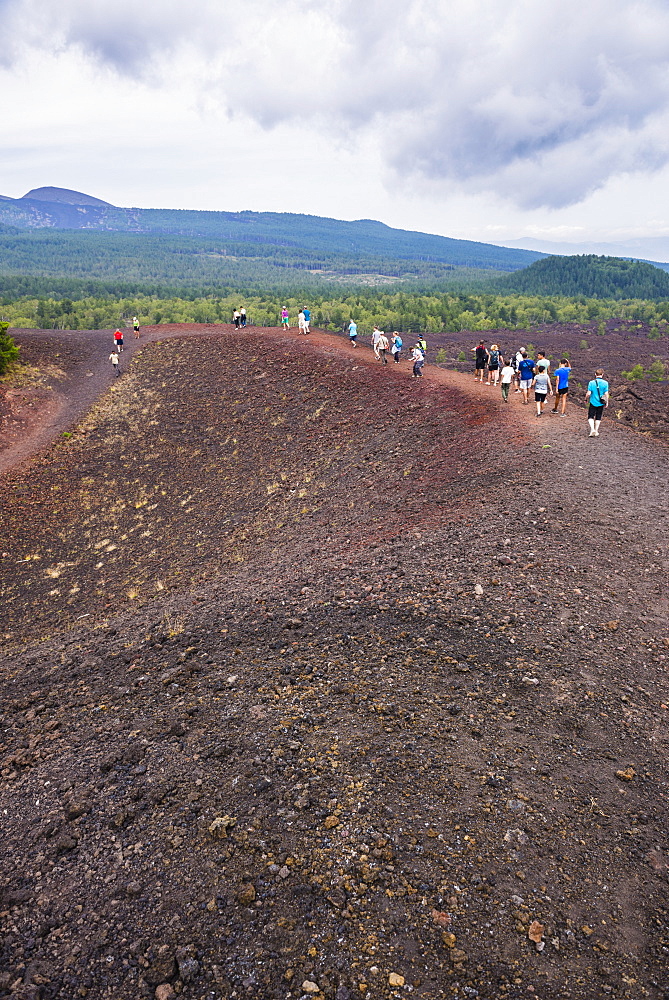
(595, 277)
(306, 235)
(193, 264)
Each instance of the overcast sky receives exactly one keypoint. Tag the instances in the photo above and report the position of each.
(480, 119)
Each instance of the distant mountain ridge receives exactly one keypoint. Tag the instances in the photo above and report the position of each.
(63, 196)
(59, 208)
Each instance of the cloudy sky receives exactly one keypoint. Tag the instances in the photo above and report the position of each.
(480, 119)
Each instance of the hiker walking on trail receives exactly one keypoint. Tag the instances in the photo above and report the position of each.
(135, 326)
(114, 358)
(422, 343)
(307, 319)
(597, 398)
(396, 349)
(542, 388)
(383, 346)
(561, 376)
(506, 374)
(517, 358)
(236, 318)
(284, 319)
(493, 364)
(301, 322)
(118, 340)
(542, 363)
(481, 361)
(353, 333)
(242, 317)
(376, 337)
(526, 375)
(418, 359)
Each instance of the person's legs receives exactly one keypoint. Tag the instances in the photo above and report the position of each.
(505, 391)
(563, 403)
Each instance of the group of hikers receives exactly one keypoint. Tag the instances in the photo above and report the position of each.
(118, 345)
(529, 374)
(303, 320)
(382, 344)
(520, 370)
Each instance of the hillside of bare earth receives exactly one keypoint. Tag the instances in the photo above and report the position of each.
(322, 681)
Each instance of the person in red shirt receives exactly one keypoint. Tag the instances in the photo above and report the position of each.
(118, 340)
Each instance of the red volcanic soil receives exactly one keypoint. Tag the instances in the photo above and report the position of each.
(322, 681)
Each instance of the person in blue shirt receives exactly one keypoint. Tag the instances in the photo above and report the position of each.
(561, 376)
(525, 374)
(398, 343)
(597, 398)
(353, 333)
(307, 319)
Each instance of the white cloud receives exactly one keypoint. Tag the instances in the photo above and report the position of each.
(540, 103)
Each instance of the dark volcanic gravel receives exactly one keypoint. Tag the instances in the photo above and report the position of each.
(318, 681)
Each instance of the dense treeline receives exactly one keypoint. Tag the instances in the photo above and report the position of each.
(403, 311)
(592, 276)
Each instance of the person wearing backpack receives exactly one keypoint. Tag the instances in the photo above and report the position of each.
(397, 347)
(597, 398)
(493, 364)
(383, 346)
(526, 375)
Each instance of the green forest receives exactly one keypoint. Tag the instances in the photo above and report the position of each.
(595, 277)
(393, 310)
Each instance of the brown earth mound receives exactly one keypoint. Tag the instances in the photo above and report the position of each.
(322, 681)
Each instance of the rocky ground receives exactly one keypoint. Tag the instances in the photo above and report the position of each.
(320, 681)
(617, 346)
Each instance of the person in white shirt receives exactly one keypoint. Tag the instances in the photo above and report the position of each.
(506, 374)
(383, 346)
(517, 358)
(418, 359)
(376, 336)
